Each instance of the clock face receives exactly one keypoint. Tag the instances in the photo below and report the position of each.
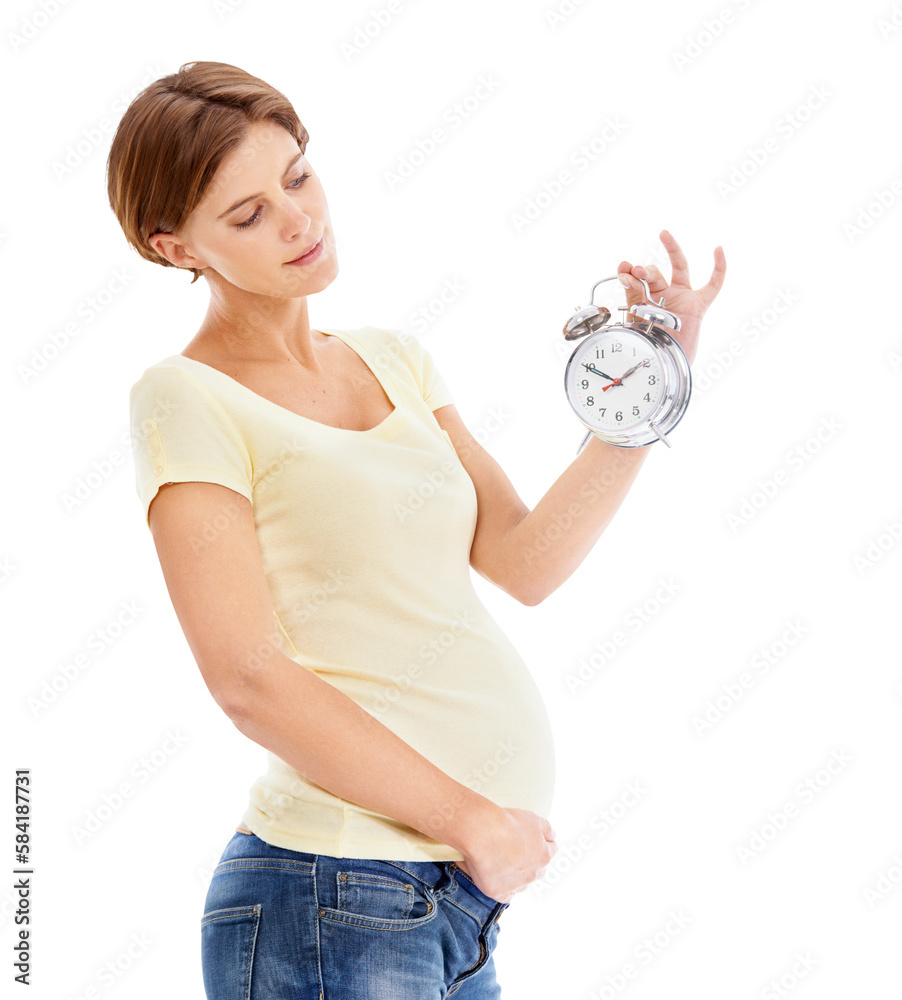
(615, 380)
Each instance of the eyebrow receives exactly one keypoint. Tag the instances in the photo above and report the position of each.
(259, 194)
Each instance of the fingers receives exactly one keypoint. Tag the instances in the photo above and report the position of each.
(629, 278)
(680, 268)
(708, 292)
(626, 270)
(678, 262)
(657, 283)
(550, 842)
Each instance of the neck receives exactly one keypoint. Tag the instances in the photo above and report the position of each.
(247, 326)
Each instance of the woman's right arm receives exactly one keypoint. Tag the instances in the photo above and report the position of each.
(219, 592)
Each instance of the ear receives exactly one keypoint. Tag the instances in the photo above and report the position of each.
(169, 245)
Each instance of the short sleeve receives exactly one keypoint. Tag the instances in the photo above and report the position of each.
(428, 379)
(180, 433)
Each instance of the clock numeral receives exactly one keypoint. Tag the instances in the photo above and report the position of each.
(647, 397)
(616, 347)
(652, 380)
(590, 400)
(618, 415)
(585, 383)
(603, 409)
(635, 411)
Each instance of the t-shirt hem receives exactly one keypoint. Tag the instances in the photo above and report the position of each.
(383, 849)
(193, 474)
(437, 400)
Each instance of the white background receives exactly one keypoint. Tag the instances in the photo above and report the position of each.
(768, 128)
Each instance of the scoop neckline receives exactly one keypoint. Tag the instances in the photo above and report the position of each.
(389, 387)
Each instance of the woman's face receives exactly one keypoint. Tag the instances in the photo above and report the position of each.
(259, 212)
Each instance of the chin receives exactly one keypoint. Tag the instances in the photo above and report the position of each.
(300, 285)
(291, 287)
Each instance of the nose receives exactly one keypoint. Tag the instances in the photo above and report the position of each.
(296, 221)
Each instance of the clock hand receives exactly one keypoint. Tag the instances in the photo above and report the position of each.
(595, 371)
(641, 364)
(618, 381)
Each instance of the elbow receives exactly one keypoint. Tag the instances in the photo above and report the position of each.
(251, 695)
(232, 705)
(532, 588)
(528, 591)
(237, 678)
(523, 586)
(532, 598)
(235, 700)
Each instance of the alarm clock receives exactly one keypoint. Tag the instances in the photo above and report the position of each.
(628, 382)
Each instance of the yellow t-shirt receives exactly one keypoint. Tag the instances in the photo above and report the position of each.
(365, 538)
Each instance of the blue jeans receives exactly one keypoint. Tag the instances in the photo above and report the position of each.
(282, 925)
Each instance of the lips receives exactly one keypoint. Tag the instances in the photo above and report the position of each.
(304, 254)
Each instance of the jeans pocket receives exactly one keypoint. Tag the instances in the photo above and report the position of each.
(369, 898)
(228, 939)
(467, 883)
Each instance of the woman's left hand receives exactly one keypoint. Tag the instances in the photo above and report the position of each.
(679, 297)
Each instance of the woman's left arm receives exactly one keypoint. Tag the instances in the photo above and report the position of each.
(530, 553)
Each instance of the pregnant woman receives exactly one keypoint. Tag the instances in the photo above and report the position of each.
(317, 503)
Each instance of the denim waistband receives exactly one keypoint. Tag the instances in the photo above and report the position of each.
(441, 877)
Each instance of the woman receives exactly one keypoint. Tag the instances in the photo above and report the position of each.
(316, 504)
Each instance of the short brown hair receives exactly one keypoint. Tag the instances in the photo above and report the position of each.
(172, 139)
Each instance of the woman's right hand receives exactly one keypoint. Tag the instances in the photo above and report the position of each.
(511, 852)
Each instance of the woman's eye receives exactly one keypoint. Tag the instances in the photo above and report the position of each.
(249, 222)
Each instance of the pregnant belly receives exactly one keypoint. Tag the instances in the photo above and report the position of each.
(491, 734)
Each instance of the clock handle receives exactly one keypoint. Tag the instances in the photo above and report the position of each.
(616, 277)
